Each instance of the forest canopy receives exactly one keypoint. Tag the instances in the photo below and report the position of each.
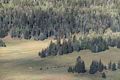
(40, 19)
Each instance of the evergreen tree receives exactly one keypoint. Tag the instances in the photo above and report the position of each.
(2, 44)
(43, 23)
(94, 67)
(70, 46)
(118, 43)
(101, 66)
(78, 59)
(76, 46)
(110, 65)
(43, 53)
(114, 67)
(65, 47)
(70, 69)
(118, 64)
(52, 49)
(80, 66)
(98, 45)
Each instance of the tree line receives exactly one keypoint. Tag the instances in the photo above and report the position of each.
(95, 45)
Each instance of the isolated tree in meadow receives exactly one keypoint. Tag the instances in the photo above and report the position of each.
(118, 65)
(94, 67)
(110, 65)
(70, 69)
(79, 66)
(78, 59)
(101, 66)
(114, 67)
(103, 75)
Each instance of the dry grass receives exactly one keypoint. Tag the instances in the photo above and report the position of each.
(20, 61)
(21, 48)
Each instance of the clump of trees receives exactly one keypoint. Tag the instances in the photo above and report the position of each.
(57, 49)
(97, 44)
(95, 67)
(2, 44)
(79, 66)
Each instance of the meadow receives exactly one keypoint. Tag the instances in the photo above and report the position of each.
(20, 61)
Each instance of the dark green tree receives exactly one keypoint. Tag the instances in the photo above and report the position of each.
(94, 67)
(114, 67)
(118, 65)
(101, 66)
(70, 69)
(110, 65)
(80, 66)
(103, 75)
(2, 44)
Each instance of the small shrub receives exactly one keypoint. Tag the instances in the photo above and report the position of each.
(70, 69)
(103, 75)
(2, 44)
(40, 68)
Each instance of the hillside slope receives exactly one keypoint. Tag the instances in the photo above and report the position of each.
(40, 19)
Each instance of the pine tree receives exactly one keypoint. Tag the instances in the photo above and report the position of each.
(118, 64)
(110, 65)
(65, 47)
(78, 59)
(118, 43)
(94, 67)
(70, 69)
(80, 66)
(101, 66)
(114, 67)
(52, 49)
(42, 54)
(70, 46)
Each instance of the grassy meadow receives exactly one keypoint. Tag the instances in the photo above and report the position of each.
(20, 61)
